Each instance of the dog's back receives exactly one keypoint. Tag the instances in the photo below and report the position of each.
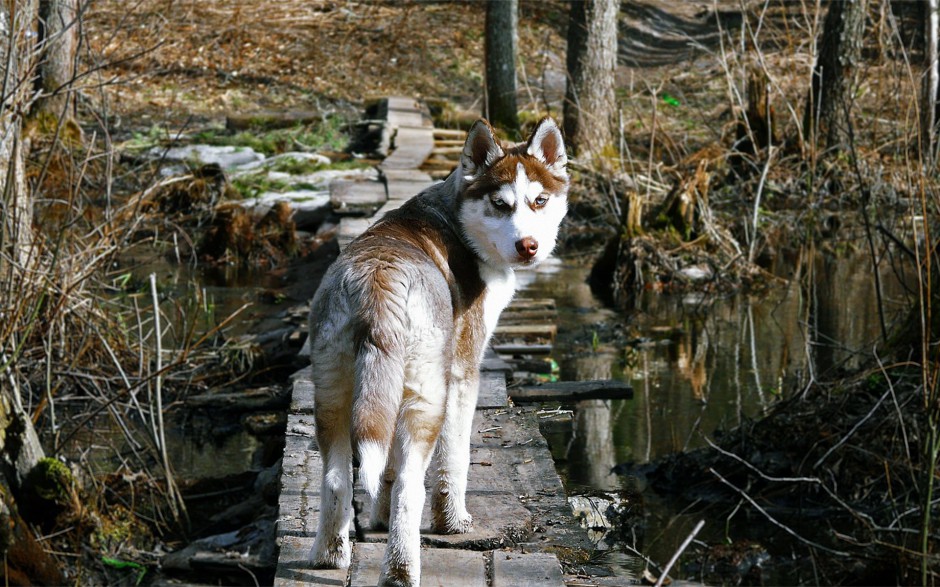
(400, 298)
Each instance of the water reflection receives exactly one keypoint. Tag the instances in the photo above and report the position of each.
(698, 365)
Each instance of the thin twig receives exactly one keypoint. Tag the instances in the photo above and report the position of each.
(773, 520)
(678, 553)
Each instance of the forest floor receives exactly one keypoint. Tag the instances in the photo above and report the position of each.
(164, 72)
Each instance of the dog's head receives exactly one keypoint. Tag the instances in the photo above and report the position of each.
(513, 198)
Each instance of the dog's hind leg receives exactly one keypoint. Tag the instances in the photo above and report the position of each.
(418, 428)
(452, 458)
(378, 518)
(331, 546)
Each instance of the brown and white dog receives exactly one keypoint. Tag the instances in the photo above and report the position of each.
(398, 330)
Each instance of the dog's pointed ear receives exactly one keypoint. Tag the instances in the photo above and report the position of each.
(481, 149)
(547, 146)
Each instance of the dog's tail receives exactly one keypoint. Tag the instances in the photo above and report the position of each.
(380, 379)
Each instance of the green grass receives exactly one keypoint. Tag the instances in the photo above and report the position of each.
(326, 135)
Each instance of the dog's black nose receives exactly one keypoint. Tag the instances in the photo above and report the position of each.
(527, 247)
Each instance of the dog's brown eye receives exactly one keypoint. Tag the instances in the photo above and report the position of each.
(541, 201)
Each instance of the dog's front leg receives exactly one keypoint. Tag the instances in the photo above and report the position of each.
(452, 458)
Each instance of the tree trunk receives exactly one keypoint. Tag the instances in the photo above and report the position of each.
(591, 61)
(840, 51)
(17, 40)
(58, 37)
(931, 82)
(501, 42)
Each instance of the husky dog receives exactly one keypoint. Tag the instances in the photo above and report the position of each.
(398, 330)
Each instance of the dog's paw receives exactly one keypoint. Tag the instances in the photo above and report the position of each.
(397, 576)
(332, 554)
(460, 524)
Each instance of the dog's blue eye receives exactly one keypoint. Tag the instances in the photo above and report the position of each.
(541, 201)
(500, 204)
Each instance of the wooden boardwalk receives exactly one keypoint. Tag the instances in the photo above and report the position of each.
(518, 504)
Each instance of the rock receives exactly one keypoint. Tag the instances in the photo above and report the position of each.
(226, 157)
(697, 273)
(310, 207)
(286, 159)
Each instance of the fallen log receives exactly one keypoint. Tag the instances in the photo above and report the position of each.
(571, 391)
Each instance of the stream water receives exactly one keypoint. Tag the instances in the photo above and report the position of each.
(698, 365)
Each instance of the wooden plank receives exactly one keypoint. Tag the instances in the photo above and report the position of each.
(294, 568)
(391, 175)
(493, 362)
(262, 398)
(449, 152)
(404, 190)
(531, 303)
(511, 569)
(492, 390)
(545, 331)
(498, 519)
(357, 197)
(302, 396)
(350, 228)
(515, 315)
(447, 133)
(569, 391)
(439, 567)
(412, 147)
(401, 103)
(409, 118)
(511, 348)
(439, 164)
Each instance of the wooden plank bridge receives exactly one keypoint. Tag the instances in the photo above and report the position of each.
(520, 510)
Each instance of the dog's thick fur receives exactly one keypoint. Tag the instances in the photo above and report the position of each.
(398, 329)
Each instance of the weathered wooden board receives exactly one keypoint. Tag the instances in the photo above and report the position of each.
(447, 133)
(412, 145)
(499, 519)
(350, 228)
(567, 391)
(492, 392)
(493, 362)
(302, 397)
(511, 569)
(439, 567)
(404, 190)
(512, 348)
(525, 331)
(357, 197)
(532, 303)
(294, 568)
(406, 175)
(513, 315)
(262, 398)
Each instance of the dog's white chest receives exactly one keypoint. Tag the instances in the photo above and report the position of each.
(500, 287)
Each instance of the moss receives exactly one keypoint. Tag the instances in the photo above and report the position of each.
(117, 528)
(52, 481)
